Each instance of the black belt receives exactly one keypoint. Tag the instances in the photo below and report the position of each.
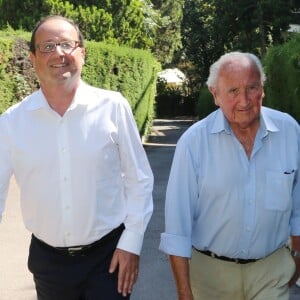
(235, 260)
(81, 250)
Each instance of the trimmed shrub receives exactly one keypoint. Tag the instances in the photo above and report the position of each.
(282, 66)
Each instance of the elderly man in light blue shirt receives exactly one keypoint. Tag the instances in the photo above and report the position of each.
(233, 197)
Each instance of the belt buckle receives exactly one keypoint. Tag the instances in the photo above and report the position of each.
(73, 251)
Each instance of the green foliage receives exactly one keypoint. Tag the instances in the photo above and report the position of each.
(202, 44)
(205, 103)
(129, 71)
(131, 23)
(21, 14)
(282, 65)
(118, 21)
(9, 32)
(95, 24)
(6, 84)
(168, 37)
(212, 27)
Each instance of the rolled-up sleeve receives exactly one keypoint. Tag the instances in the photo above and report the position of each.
(181, 197)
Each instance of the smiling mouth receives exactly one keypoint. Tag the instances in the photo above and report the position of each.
(59, 65)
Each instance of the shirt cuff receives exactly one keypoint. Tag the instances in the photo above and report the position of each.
(175, 245)
(131, 241)
(295, 226)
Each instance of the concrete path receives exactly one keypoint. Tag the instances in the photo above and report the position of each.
(15, 280)
(155, 281)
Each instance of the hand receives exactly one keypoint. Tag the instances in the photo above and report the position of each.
(297, 272)
(186, 296)
(128, 268)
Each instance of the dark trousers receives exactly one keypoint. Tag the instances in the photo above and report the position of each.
(59, 276)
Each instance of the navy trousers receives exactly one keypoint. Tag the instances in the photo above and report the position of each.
(59, 276)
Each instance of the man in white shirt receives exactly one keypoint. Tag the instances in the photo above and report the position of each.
(84, 178)
(233, 196)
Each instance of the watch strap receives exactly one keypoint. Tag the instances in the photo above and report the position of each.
(295, 253)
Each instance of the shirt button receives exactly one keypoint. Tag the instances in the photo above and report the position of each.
(68, 234)
(248, 228)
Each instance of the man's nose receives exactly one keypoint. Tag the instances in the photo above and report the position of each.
(244, 97)
(59, 49)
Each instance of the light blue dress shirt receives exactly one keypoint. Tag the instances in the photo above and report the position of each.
(219, 200)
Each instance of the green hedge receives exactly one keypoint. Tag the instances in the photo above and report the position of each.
(282, 66)
(6, 84)
(205, 103)
(132, 72)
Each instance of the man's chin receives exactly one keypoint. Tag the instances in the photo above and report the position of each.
(67, 75)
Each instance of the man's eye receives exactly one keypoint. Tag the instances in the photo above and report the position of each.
(66, 45)
(253, 88)
(234, 91)
(48, 47)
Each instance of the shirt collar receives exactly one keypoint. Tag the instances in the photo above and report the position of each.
(39, 101)
(221, 124)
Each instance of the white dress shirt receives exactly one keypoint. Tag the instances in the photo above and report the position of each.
(80, 175)
(219, 200)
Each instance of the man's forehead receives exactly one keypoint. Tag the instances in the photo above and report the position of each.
(56, 28)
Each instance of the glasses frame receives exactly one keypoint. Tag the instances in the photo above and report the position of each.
(77, 44)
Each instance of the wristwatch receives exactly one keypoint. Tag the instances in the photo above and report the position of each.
(295, 253)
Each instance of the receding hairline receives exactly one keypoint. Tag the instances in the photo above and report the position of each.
(50, 18)
(238, 61)
(227, 58)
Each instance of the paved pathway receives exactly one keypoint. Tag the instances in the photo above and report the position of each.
(155, 281)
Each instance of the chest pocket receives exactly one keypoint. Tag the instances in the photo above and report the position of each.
(278, 195)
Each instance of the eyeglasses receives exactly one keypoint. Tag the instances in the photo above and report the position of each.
(65, 46)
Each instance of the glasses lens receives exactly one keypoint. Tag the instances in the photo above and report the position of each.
(47, 47)
(67, 45)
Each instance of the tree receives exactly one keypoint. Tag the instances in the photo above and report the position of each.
(168, 37)
(200, 43)
(213, 27)
(21, 14)
(118, 21)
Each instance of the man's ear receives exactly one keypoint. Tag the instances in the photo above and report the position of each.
(83, 55)
(32, 58)
(214, 93)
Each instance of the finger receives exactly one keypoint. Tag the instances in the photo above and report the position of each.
(128, 281)
(133, 280)
(113, 264)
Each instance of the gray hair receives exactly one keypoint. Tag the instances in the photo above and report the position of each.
(216, 66)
